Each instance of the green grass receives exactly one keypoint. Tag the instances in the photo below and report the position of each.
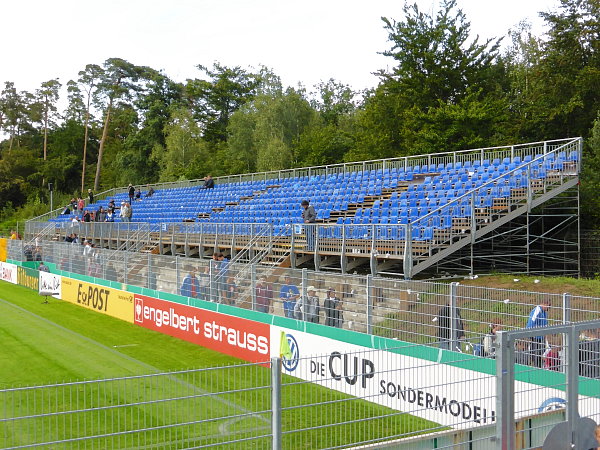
(56, 342)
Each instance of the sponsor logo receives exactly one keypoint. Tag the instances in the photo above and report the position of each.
(552, 404)
(227, 334)
(139, 307)
(291, 364)
(50, 284)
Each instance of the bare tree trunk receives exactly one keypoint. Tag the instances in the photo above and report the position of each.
(101, 148)
(85, 141)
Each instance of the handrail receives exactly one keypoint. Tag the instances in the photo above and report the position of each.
(278, 174)
(493, 181)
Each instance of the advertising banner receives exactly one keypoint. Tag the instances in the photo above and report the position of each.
(8, 272)
(28, 277)
(105, 300)
(3, 247)
(231, 335)
(448, 395)
(50, 284)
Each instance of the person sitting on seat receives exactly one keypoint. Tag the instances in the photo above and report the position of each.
(209, 183)
(150, 192)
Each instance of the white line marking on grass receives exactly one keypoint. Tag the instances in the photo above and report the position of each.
(125, 345)
(224, 428)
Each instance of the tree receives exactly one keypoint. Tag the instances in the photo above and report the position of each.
(88, 80)
(214, 100)
(47, 97)
(118, 81)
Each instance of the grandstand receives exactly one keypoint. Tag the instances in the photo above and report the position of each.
(469, 210)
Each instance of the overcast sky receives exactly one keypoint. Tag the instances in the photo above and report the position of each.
(303, 41)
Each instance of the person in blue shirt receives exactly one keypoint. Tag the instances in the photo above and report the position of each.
(538, 317)
(190, 286)
(289, 294)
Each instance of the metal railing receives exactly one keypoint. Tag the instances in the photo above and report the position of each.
(511, 151)
(374, 241)
(406, 310)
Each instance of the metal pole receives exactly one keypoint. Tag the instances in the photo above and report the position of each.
(505, 412)
(304, 293)
(253, 285)
(177, 273)
(572, 359)
(566, 308)
(276, 402)
(369, 305)
(453, 317)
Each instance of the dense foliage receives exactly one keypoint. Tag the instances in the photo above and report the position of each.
(446, 91)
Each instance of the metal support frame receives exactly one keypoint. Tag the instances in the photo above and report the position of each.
(276, 403)
(505, 379)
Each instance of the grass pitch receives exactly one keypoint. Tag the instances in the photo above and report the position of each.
(43, 344)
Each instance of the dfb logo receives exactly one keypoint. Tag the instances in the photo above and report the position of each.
(139, 310)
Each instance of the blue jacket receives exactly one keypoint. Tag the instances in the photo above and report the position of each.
(186, 286)
(537, 318)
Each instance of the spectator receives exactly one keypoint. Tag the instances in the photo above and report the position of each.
(597, 435)
(309, 216)
(231, 292)
(333, 309)
(552, 358)
(150, 192)
(489, 340)
(43, 267)
(443, 319)
(308, 308)
(111, 205)
(13, 235)
(80, 205)
(75, 238)
(222, 278)
(126, 212)
(109, 216)
(86, 216)
(90, 196)
(66, 211)
(537, 344)
(73, 204)
(289, 294)
(209, 183)
(131, 191)
(100, 215)
(264, 296)
(138, 194)
(190, 286)
(69, 238)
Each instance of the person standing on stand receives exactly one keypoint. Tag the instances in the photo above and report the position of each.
(131, 192)
(90, 196)
(190, 286)
(264, 296)
(289, 295)
(309, 217)
(538, 317)
(333, 309)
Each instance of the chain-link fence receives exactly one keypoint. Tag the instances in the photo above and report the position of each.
(411, 311)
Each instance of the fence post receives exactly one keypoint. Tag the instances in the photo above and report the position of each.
(453, 317)
(303, 296)
(572, 388)
(125, 263)
(369, 304)
(566, 305)
(177, 274)
(252, 285)
(276, 402)
(505, 412)
(211, 283)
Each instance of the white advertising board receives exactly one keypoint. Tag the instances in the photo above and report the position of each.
(50, 284)
(448, 395)
(8, 272)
